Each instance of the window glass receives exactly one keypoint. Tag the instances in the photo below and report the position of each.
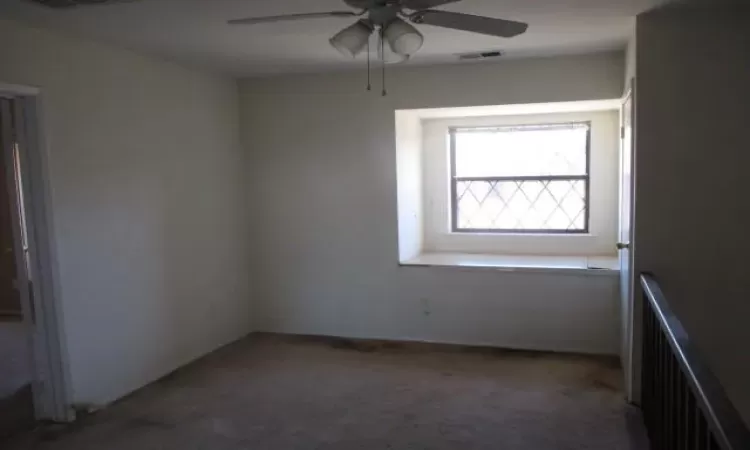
(530, 178)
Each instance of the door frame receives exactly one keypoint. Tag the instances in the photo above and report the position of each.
(42, 308)
(631, 361)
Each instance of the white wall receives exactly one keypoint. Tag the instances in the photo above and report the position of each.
(147, 202)
(410, 201)
(692, 209)
(322, 174)
(630, 60)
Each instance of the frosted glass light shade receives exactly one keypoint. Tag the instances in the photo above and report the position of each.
(403, 38)
(386, 53)
(351, 40)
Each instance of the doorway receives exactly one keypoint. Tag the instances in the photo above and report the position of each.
(33, 383)
(16, 367)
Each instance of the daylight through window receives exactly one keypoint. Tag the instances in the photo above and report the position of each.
(520, 179)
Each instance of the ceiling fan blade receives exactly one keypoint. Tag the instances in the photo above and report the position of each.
(419, 5)
(285, 17)
(468, 22)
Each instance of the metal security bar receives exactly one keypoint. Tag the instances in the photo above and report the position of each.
(684, 406)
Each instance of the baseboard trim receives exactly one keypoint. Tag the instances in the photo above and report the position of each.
(366, 345)
(10, 315)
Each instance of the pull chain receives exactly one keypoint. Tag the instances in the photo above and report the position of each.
(369, 86)
(382, 60)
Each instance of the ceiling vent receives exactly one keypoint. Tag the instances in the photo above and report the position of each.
(60, 4)
(480, 55)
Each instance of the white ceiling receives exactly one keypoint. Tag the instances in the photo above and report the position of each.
(194, 32)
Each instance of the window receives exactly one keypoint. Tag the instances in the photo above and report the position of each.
(520, 178)
(530, 180)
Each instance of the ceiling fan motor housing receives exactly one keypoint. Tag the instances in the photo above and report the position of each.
(60, 4)
(384, 15)
(367, 4)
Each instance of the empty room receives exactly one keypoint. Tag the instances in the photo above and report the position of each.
(373, 224)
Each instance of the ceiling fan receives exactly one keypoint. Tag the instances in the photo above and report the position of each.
(389, 19)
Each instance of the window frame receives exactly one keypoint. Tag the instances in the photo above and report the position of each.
(433, 177)
(454, 180)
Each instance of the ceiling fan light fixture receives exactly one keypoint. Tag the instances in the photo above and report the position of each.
(386, 54)
(403, 38)
(352, 40)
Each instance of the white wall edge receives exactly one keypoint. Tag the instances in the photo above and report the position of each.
(518, 109)
(17, 89)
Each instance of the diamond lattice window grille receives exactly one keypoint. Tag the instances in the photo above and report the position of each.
(542, 181)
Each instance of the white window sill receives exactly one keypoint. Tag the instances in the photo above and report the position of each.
(517, 263)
